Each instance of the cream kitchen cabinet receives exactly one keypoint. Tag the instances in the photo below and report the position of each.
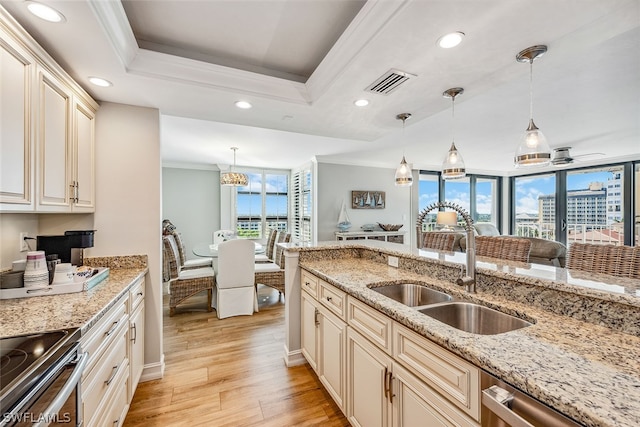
(324, 338)
(108, 367)
(65, 142)
(136, 335)
(47, 134)
(16, 134)
(381, 392)
(394, 376)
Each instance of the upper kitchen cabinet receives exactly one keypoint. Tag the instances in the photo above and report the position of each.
(48, 138)
(16, 138)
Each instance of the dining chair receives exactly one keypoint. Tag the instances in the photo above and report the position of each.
(440, 240)
(184, 283)
(272, 273)
(235, 293)
(188, 264)
(503, 247)
(269, 248)
(614, 260)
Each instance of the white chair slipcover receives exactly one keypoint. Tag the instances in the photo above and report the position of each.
(235, 293)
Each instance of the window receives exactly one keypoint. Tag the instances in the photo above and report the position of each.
(535, 206)
(486, 206)
(302, 202)
(478, 195)
(262, 204)
(636, 213)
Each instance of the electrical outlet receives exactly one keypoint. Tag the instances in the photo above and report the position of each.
(23, 243)
(393, 261)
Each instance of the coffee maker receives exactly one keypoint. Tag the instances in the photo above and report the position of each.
(69, 247)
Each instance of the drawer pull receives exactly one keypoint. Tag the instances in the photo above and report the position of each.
(113, 328)
(114, 371)
(307, 284)
(139, 294)
(135, 332)
(329, 298)
(116, 422)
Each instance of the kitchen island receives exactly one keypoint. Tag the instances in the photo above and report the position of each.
(581, 356)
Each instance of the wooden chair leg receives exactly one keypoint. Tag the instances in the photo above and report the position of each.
(209, 299)
(172, 311)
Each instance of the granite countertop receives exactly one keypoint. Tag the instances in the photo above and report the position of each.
(76, 310)
(587, 371)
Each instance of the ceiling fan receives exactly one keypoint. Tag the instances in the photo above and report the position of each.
(562, 157)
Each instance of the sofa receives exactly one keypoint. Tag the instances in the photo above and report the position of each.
(547, 252)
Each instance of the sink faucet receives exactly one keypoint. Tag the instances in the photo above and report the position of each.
(469, 279)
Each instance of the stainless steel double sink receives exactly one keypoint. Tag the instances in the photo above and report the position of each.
(465, 316)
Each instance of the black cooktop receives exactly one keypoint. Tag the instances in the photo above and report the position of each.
(24, 358)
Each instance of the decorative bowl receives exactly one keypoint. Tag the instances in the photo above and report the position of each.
(390, 227)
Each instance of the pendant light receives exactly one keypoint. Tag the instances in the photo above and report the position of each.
(232, 177)
(533, 149)
(453, 164)
(404, 177)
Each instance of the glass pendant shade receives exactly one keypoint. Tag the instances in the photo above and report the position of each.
(453, 164)
(533, 149)
(404, 178)
(233, 178)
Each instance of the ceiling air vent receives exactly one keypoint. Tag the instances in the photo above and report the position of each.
(389, 82)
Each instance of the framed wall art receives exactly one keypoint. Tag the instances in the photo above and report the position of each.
(367, 200)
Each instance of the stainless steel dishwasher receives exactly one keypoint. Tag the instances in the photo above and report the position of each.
(506, 406)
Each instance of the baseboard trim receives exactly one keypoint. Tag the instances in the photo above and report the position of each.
(153, 371)
(293, 358)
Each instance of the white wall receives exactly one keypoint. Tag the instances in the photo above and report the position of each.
(128, 204)
(335, 183)
(11, 225)
(191, 200)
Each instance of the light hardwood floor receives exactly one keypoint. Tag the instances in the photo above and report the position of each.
(231, 372)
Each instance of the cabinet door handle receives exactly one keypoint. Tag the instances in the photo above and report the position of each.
(116, 422)
(315, 317)
(113, 328)
(114, 371)
(386, 389)
(135, 333)
(391, 388)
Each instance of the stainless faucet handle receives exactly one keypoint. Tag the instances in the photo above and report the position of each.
(468, 282)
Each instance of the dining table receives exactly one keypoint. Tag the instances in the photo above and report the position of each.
(211, 249)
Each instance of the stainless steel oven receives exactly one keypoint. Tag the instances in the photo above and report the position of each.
(506, 406)
(40, 379)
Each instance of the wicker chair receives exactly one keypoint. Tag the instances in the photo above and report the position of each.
(621, 261)
(188, 264)
(184, 283)
(272, 273)
(440, 240)
(503, 247)
(271, 242)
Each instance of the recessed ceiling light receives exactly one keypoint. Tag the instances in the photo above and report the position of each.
(243, 104)
(45, 12)
(361, 102)
(100, 82)
(450, 40)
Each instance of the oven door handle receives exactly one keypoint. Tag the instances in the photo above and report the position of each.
(65, 391)
(499, 400)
